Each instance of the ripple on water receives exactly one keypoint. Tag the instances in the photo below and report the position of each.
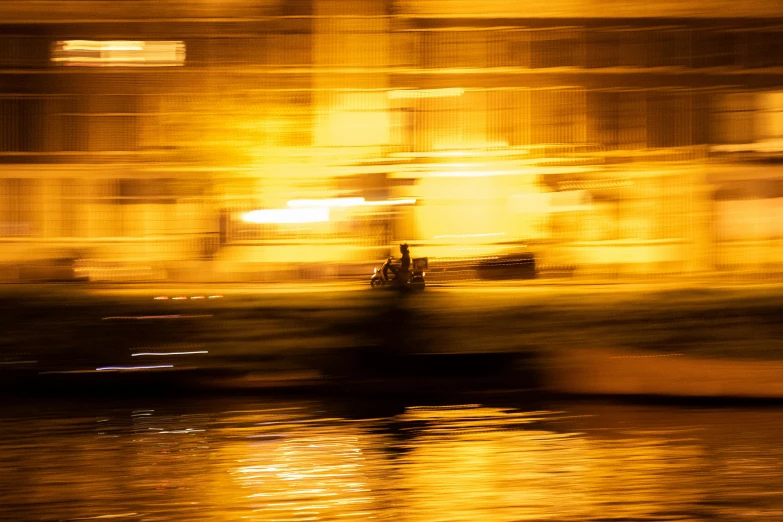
(281, 460)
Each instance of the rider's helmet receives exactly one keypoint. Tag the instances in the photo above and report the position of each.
(403, 247)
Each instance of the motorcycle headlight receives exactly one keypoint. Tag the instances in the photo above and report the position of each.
(375, 270)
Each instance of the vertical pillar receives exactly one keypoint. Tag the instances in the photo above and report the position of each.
(51, 202)
(350, 58)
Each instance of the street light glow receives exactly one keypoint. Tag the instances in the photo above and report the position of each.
(390, 202)
(425, 93)
(325, 203)
(287, 215)
(347, 202)
(113, 53)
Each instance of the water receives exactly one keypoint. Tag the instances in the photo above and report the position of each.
(324, 459)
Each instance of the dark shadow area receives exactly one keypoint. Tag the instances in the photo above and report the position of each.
(57, 338)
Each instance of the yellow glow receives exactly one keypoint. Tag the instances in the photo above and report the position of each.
(462, 165)
(478, 173)
(567, 201)
(390, 202)
(92, 45)
(533, 170)
(288, 215)
(361, 127)
(596, 183)
(331, 202)
(473, 174)
(346, 202)
(425, 93)
(465, 236)
(113, 53)
(449, 154)
(303, 475)
(480, 152)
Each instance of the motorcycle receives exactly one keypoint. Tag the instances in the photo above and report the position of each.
(415, 280)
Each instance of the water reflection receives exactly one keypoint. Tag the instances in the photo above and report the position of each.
(470, 464)
(297, 461)
(320, 477)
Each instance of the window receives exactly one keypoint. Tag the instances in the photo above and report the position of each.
(732, 118)
(764, 48)
(100, 123)
(508, 116)
(713, 49)
(22, 124)
(518, 48)
(17, 207)
(23, 52)
(445, 49)
(557, 116)
(667, 47)
(603, 48)
(668, 119)
(556, 48)
(769, 120)
(454, 120)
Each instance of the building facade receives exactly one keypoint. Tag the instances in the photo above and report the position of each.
(606, 137)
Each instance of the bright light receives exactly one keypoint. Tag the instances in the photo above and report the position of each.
(473, 173)
(93, 45)
(425, 93)
(595, 183)
(346, 202)
(460, 165)
(532, 170)
(113, 53)
(462, 236)
(479, 151)
(567, 201)
(329, 203)
(390, 202)
(288, 215)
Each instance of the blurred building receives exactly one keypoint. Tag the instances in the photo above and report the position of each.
(605, 136)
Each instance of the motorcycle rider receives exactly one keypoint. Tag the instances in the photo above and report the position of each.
(401, 273)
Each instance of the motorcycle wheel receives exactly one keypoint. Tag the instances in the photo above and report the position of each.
(417, 284)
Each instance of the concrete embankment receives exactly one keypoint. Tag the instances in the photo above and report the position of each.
(593, 372)
(619, 372)
(612, 340)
